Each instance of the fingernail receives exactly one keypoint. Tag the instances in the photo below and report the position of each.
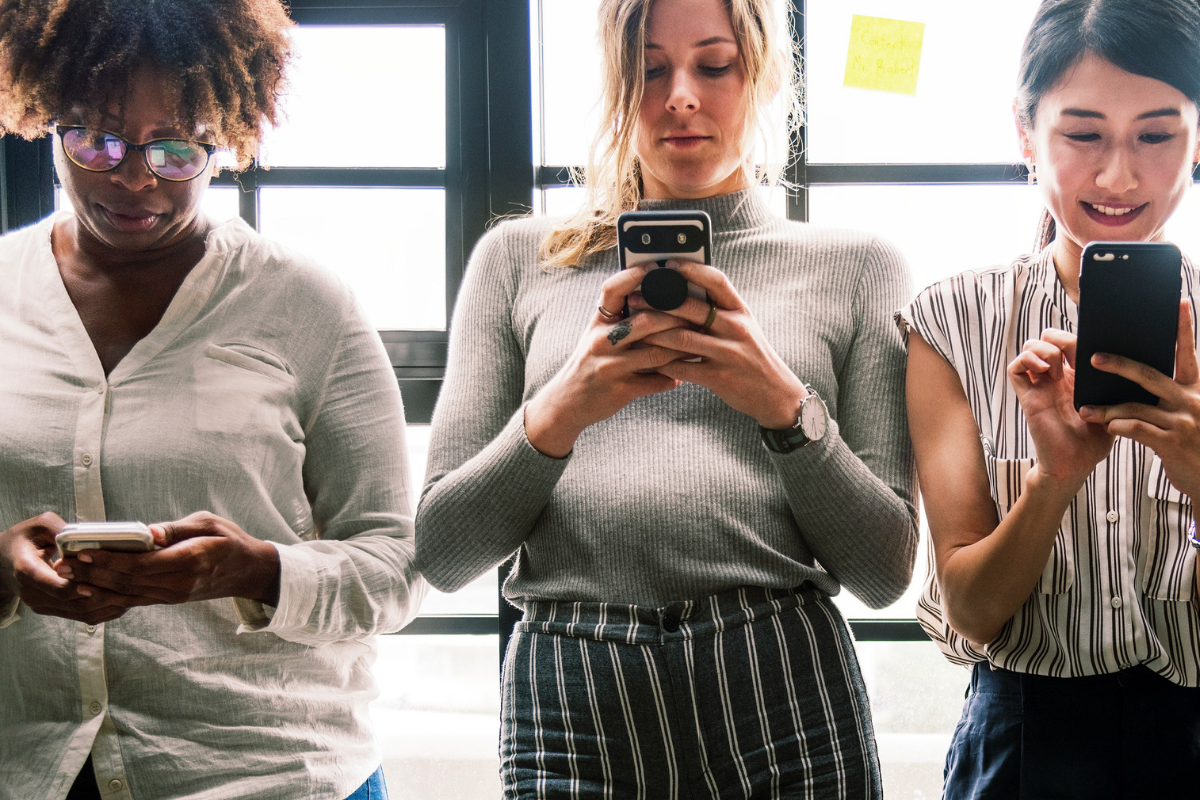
(1086, 411)
(66, 573)
(85, 558)
(1100, 358)
(83, 590)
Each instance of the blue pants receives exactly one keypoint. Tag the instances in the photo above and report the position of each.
(1126, 736)
(753, 693)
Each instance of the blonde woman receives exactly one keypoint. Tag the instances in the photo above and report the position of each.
(680, 526)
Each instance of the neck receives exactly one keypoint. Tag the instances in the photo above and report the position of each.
(80, 250)
(1066, 254)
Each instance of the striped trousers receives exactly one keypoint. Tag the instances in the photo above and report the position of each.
(752, 693)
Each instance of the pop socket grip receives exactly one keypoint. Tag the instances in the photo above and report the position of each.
(664, 289)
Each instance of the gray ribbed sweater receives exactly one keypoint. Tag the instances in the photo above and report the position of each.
(676, 497)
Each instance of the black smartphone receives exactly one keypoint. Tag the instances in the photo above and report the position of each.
(656, 236)
(1128, 306)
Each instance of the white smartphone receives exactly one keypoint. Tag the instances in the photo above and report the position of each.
(124, 537)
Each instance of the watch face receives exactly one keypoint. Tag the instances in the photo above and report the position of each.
(813, 418)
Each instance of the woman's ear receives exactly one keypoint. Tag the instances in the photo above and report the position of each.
(1024, 137)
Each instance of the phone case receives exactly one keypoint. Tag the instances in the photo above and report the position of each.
(655, 236)
(125, 537)
(1129, 306)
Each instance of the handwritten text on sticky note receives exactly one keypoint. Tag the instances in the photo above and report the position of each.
(885, 54)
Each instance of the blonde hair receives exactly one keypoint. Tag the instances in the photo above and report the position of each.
(613, 175)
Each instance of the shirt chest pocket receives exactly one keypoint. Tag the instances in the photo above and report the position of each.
(237, 384)
(1007, 480)
(1169, 568)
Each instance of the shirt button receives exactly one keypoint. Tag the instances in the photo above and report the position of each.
(95, 708)
(91, 628)
(1112, 516)
(114, 785)
(86, 459)
(1115, 602)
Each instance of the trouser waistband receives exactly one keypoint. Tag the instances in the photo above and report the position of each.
(634, 624)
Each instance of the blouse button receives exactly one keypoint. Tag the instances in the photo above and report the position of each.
(95, 708)
(114, 785)
(1115, 602)
(1112, 516)
(91, 628)
(86, 459)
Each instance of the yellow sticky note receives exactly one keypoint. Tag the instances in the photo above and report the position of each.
(885, 54)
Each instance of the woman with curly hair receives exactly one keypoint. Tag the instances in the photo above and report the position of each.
(160, 367)
(680, 522)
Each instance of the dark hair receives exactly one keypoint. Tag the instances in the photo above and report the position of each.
(224, 61)
(1157, 39)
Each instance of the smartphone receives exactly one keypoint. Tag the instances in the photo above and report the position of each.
(655, 236)
(125, 537)
(1129, 306)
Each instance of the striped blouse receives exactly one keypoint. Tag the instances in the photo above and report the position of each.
(1118, 588)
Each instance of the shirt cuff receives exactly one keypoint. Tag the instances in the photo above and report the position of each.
(8, 611)
(297, 595)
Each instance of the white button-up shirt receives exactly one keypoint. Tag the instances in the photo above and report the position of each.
(265, 397)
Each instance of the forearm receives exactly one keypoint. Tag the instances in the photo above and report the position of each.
(985, 583)
(856, 525)
(474, 516)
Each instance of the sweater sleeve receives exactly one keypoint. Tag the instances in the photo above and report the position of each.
(358, 577)
(485, 484)
(854, 492)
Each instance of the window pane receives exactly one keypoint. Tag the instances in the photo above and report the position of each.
(221, 202)
(364, 97)
(962, 109)
(1184, 227)
(942, 230)
(388, 244)
(571, 79)
(916, 698)
(438, 715)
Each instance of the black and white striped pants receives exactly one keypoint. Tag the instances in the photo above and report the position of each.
(750, 693)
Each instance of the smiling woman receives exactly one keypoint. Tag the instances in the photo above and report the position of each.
(161, 367)
(1063, 570)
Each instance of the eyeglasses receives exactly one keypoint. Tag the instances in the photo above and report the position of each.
(101, 151)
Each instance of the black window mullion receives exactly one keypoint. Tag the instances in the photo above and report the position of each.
(27, 182)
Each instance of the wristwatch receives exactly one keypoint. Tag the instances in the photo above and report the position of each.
(811, 423)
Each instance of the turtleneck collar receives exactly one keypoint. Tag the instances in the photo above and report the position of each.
(729, 212)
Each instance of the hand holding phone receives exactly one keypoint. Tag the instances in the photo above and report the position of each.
(122, 537)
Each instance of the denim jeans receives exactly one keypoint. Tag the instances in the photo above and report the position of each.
(374, 789)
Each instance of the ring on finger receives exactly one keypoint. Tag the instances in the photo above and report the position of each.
(606, 315)
(710, 319)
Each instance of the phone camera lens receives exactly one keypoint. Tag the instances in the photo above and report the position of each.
(645, 238)
(681, 238)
